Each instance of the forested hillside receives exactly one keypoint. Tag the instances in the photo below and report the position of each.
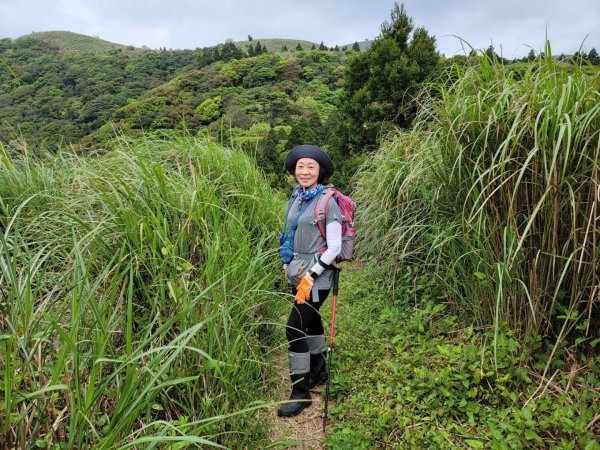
(62, 88)
(248, 101)
(58, 87)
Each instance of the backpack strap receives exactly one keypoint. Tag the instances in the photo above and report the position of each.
(292, 198)
(321, 208)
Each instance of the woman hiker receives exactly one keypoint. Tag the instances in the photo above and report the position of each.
(309, 271)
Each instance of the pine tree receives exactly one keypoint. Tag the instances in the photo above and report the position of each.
(593, 57)
(399, 28)
(494, 57)
(375, 100)
(298, 47)
(230, 51)
(355, 47)
(251, 51)
(284, 48)
(491, 54)
(322, 46)
(579, 58)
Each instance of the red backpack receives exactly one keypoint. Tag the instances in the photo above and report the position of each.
(347, 207)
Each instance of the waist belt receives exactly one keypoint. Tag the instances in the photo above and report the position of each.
(305, 255)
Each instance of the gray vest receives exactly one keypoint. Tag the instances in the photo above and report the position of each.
(308, 241)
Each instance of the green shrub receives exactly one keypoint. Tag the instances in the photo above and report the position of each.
(408, 374)
(209, 109)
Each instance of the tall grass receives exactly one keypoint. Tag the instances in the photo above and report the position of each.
(134, 296)
(497, 190)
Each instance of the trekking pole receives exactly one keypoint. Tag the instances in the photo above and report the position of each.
(336, 278)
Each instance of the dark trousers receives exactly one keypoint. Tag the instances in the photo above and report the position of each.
(305, 320)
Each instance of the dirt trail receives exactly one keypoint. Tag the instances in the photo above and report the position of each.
(305, 431)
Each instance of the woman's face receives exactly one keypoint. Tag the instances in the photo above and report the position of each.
(307, 172)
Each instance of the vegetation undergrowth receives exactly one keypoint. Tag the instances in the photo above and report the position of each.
(407, 374)
(135, 297)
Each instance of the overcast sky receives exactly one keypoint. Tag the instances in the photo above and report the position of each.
(513, 26)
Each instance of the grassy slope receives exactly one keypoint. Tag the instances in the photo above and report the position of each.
(134, 296)
(69, 42)
(275, 45)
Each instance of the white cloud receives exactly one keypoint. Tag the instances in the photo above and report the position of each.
(152, 36)
(511, 24)
(82, 12)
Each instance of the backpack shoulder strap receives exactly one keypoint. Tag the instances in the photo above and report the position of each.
(321, 208)
(291, 201)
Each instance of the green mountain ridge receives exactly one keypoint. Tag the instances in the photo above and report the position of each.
(262, 103)
(275, 45)
(57, 87)
(70, 42)
(61, 88)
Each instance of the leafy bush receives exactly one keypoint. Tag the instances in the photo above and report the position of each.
(209, 109)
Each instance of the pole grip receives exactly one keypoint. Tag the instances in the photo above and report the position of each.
(336, 280)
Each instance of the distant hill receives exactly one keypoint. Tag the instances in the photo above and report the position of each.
(69, 42)
(248, 96)
(60, 88)
(57, 87)
(364, 45)
(276, 45)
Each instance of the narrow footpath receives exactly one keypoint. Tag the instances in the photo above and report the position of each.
(304, 431)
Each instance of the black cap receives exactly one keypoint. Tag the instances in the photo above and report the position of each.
(312, 152)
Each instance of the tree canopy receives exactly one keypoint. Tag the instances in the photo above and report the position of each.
(381, 82)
